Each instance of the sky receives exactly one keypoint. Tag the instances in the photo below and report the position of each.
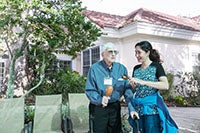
(188, 8)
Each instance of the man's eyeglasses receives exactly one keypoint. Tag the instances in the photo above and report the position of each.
(113, 52)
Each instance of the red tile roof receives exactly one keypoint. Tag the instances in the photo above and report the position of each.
(142, 15)
(196, 18)
(103, 19)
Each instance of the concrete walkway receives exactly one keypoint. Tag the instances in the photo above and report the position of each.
(187, 118)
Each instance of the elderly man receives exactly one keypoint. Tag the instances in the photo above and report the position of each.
(105, 106)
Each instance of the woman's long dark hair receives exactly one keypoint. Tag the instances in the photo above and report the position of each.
(154, 54)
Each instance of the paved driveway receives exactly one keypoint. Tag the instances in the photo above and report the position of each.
(187, 118)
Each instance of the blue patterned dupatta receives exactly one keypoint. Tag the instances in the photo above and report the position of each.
(168, 125)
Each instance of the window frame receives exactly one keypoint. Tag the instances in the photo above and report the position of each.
(91, 61)
(195, 61)
(2, 71)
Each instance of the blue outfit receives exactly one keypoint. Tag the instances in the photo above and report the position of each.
(167, 124)
(154, 114)
(95, 88)
(106, 119)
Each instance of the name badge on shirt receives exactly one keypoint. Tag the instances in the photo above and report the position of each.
(107, 81)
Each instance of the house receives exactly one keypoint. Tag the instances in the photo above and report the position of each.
(176, 38)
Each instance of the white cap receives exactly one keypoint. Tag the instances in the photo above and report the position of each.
(108, 46)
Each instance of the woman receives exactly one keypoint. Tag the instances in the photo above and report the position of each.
(147, 105)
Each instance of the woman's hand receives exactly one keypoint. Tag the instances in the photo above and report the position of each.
(134, 81)
(161, 84)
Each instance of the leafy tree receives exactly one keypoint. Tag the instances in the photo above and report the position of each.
(35, 29)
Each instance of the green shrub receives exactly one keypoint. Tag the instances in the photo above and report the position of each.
(126, 128)
(194, 101)
(180, 101)
(197, 77)
(29, 114)
(62, 82)
(188, 85)
(167, 94)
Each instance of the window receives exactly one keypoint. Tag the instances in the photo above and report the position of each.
(86, 61)
(2, 72)
(196, 61)
(95, 55)
(65, 64)
(61, 64)
(90, 56)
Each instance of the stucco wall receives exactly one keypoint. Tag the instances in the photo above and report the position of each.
(175, 53)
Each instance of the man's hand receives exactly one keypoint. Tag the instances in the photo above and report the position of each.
(104, 101)
(134, 115)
